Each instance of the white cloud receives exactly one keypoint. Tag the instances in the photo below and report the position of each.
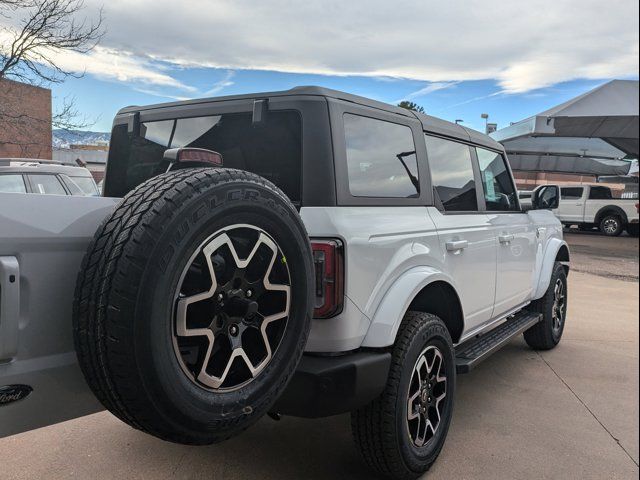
(113, 64)
(522, 45)
(430, 88)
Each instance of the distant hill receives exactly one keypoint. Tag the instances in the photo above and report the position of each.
(65, 138)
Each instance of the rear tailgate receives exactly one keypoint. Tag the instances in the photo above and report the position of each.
(42, 241)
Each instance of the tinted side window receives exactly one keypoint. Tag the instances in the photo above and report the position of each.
(12, 184)
(381, 158)
(46, 184)
(452, 174)
(571, 193)
(600, 193)
(499, 192)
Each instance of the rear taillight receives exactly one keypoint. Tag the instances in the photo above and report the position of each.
(328, 258)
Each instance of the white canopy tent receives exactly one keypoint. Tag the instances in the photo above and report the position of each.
(590, 134)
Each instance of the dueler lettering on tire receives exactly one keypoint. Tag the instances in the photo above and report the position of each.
(193, 304)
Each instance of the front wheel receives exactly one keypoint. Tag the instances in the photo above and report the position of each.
(546, 334)
(401, 433)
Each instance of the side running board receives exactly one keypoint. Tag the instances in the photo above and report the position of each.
(474, 351)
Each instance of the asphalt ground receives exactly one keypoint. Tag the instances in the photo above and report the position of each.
(570, 413)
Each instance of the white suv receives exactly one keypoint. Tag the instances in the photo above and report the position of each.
(306, 253)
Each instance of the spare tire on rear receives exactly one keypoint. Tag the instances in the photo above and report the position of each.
(193, 304)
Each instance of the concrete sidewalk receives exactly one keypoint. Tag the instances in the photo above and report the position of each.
(569, 413)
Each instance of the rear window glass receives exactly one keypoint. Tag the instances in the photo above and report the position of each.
(571, 193)
(600, 193)
(381, 158)
(272, 149)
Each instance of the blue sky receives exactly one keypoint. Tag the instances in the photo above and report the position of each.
(100, 99)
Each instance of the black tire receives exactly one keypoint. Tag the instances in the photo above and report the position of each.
(632, 229)
(611, 225)
(380, 429)
(547, 334)
(124, 302)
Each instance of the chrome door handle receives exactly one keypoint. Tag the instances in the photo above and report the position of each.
(456, 245)
(507, 238)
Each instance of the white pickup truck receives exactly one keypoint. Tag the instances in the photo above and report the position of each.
(593, 206)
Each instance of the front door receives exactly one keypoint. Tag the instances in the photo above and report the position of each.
(572, 203)
(515, 233)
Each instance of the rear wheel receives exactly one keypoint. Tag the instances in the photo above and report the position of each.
(611, 225)
(193, 304)
(401, 433)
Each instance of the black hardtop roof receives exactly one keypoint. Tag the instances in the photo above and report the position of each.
(430, 124)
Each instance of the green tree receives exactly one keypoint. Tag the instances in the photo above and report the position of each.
(411, 106)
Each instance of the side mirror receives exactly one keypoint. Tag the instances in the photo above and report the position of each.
(546, 197)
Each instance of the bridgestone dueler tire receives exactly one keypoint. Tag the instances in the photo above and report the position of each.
(380, 429)
(122, 315)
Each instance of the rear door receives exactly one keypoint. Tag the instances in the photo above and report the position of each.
(465, 231)
(42, 241)
(515, 232)
(572, 204)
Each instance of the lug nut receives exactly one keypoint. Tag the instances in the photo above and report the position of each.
(249, 293)
(233, 330)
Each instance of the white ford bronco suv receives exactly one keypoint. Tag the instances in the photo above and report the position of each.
(305, 252)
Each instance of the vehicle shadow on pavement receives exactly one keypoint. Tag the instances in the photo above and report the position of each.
(291, 448)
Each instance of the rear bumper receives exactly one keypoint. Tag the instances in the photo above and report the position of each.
(325, 386)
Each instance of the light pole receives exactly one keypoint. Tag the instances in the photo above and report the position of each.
(486, 121)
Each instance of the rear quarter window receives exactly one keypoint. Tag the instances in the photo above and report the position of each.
(381, 158)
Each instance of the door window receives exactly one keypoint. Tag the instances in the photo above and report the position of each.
(46, 184)
(499, 192)
(381, 158)
(571, 193)
(12, 184)
(452, 174)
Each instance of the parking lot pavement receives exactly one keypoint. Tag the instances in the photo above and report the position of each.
(612, 257)
(568, 413)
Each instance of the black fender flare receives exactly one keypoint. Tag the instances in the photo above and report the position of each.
(611, 209)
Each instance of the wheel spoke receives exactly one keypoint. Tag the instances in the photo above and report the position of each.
(428, 379)
(209, 248)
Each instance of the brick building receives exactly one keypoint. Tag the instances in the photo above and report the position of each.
(25, 120)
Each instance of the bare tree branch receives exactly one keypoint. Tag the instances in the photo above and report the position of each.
(50, 26)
